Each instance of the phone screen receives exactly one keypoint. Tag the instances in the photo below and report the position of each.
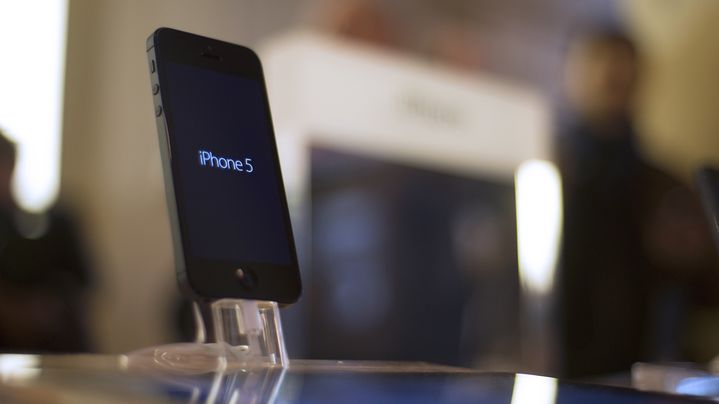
(227, 180)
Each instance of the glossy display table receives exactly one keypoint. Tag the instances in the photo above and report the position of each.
(111, 379)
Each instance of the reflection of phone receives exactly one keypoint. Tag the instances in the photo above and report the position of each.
(230, 223)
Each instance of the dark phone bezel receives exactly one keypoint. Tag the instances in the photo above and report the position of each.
(707, 178)
(200, 277)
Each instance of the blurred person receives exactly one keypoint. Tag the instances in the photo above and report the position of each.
(43, 276)
(636, 259)
(361, 20)
(456, 44)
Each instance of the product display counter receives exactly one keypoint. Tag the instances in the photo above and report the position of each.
(101, 379)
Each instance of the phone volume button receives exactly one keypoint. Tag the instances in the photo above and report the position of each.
(158, 110)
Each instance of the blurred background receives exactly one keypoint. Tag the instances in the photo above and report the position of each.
(420, 143)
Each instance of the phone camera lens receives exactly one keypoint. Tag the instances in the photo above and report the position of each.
(247, 278)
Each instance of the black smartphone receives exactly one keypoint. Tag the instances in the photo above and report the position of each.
(708, 181)
(226, 200)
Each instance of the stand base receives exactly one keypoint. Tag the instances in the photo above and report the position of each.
(247, 333)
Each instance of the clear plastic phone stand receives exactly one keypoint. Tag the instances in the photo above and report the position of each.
(238, 387)
(243, 335)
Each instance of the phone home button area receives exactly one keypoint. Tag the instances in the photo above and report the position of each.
(247, 277)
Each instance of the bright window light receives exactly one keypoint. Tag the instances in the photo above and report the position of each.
(539, 222)
(32, 39)
(529, 389)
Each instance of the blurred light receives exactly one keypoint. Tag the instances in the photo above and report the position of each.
(32, 39)
(529, 389)
(18, 367)
(539, 221)
(707, 386)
